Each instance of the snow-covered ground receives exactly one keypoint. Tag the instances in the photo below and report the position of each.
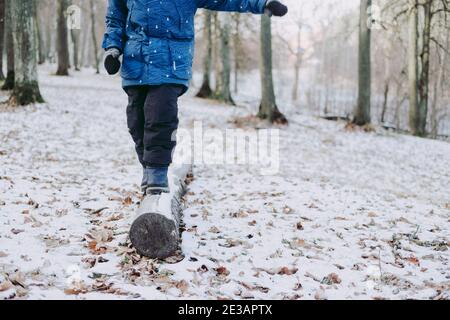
(351, 215)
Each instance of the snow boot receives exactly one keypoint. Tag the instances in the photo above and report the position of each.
(156, 181)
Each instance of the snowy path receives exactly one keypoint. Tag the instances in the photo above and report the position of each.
(352, 215)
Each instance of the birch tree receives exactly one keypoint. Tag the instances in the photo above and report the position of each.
(94, 36)
(26, 87)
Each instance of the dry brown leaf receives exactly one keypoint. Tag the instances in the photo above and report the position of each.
(333, 278)
(286, 271)
(182, 286)
(413, 260)
(254, 287)
(92, 245)
(3, 254)
(127, 201)
(115, 217)
(72, 291)
(297, 243)
(222, 271)
(96, 248)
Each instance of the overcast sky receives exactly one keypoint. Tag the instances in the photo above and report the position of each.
(311, 12)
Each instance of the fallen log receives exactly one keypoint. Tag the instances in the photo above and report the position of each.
(155, 230)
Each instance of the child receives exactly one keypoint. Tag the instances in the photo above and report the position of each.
(156, 38)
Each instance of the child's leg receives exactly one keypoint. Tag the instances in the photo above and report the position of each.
(135, 117)
(161, 121)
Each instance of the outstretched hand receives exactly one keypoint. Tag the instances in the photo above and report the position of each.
(112, 62)
(276, 8)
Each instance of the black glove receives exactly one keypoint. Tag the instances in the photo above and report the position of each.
(112, 62)
(275, 8)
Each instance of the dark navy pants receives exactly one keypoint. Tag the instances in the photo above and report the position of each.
(152, 117)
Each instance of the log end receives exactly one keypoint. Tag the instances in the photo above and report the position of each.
(154, 236)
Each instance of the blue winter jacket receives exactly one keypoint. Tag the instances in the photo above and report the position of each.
(156, 37)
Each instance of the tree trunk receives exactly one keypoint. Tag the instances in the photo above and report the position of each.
(385, 102)
(268, 109)
(439, 86)
(62, 40)
(413, 68)
(9, 81)
(298, 63)
(85, 44)
(424, 74)
(75, 36)
(94, 36)
(2, 36)
(26, 87)
(40, 41)
(237, 50)
(362, 112)
(48, 41)
(205, 90)
(223, 90)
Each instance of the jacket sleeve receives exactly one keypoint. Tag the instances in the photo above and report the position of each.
(253, 6)
(116, 19)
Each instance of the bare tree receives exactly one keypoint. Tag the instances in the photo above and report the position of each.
(26, 87)
(223, 90)
(2, 36)
(298, 62)
(424, 71)
(237, 49)
(205, 90)
(9, 81)
(362, 111)
(268, 109)
(75, 36)
(62, 39)
(94, 35)
(39, 35)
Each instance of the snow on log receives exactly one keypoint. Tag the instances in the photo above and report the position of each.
(155, 230)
